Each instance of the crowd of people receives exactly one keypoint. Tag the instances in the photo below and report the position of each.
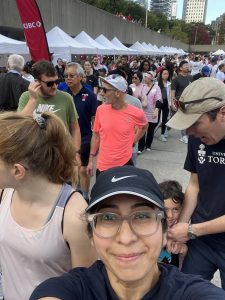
(122, 240)
(128, 18)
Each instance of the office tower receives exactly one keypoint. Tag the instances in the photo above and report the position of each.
(173, 9)
(163, 6)
(194, 11)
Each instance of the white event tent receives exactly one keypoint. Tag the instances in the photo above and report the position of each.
(150, 49)
(11, 46)
(118, 43)
(139, 48)
(219, 52)
(84, 38)
(61, 43)
(101, 39)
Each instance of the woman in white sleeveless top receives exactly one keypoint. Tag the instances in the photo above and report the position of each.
(41, 232)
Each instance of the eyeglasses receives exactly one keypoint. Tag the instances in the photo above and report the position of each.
(70, 75)
(51, 83)
(105, 89)
(143, 223)
(183, 105)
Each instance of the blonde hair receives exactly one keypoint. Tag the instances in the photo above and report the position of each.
(45, 150)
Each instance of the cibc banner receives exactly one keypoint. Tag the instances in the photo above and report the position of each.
(34, 30)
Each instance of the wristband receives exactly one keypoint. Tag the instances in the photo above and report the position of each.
(92, 154)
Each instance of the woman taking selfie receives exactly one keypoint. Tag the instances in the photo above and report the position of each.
(128, 230)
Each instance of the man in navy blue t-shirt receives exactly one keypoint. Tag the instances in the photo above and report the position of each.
(127, 227)
(202, 113)
(86, 105)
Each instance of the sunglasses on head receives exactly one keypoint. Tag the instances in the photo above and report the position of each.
(51, 83)
(183, 105)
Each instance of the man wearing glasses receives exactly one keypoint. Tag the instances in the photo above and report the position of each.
(117, 127)
(86, 104)
(127, 227)
(43, 95)
(201, 111)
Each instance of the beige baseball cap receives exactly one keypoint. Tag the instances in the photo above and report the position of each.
(201, 96)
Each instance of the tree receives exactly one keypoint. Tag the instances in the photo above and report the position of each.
(221, 31)
(192, 33)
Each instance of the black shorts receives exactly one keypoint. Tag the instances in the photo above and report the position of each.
(84, 154)
(129, 163)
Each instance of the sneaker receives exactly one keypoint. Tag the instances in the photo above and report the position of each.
(166, 134)
(184, 139)
(140, 152)
(148, 149)
(162, 138)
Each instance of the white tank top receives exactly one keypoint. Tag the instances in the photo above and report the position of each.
(28, 257)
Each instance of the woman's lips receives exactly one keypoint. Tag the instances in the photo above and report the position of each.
(131, 257)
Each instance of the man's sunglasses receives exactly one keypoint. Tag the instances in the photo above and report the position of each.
(183, 105)
(51, 83)
(105, 89)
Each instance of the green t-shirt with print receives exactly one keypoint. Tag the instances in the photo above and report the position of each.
(61, 105)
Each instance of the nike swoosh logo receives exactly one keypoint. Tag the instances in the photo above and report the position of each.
(54, 111)
(114, 179)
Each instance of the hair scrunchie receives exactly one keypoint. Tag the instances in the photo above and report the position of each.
(41, 122)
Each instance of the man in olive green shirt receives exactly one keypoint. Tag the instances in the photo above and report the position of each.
(43, 96)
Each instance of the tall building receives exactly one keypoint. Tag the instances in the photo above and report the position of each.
(163, 6)
(219, 27)
(194, 10)
(173, 9)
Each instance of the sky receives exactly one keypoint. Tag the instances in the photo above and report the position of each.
(215, 9)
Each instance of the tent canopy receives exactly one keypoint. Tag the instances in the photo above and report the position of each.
(139, 48)
(84, 38)
(219, 52)
(118, 43)
(11, 46)
(60, 42)
(101, 39)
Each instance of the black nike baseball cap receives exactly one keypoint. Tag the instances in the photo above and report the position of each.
(126, 180)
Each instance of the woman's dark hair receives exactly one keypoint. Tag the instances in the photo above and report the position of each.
(169, 67)
(28, 67)
(142, 65)
(139, 75)
(160, 80)
(172, 189)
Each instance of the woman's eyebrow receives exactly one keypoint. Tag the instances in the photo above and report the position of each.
(143, 204)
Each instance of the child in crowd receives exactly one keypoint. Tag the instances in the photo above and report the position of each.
(173, 201)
